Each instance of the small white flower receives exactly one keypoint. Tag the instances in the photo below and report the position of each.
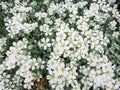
(45, 43)
(5, 77)
(28, 84)
(115, 34)
(10, 62)
(40, 15)
(33, 63)
(113, 25)
(41, 63)
(2, 68)
(104, 41)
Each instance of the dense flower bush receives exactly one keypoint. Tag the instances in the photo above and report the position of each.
(59, 45)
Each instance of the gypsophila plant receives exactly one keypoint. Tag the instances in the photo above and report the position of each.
(59, 45)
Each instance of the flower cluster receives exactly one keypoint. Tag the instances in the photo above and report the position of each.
(62, 43)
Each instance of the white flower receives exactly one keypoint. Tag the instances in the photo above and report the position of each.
(73, 16)
(40, 63)
(60, 36)
(48, 21)
(17, 19)
(82, 23)
(45, 43)
(9, 24)
(2, 85)
(17, 46)
(106, 8)
(48, 32)
(111, 1)
(94, 44)
(82, 4)
(28, 84)
(113, 25)
(93, 11)
(10, 62)
(2, 68)
(115, 34)
(33, 63)
(44, 28)
(5, 77)
(76, 87)
(52, 8)
(4, 5)
(40, 15)
(104, 41)
(84, 49)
